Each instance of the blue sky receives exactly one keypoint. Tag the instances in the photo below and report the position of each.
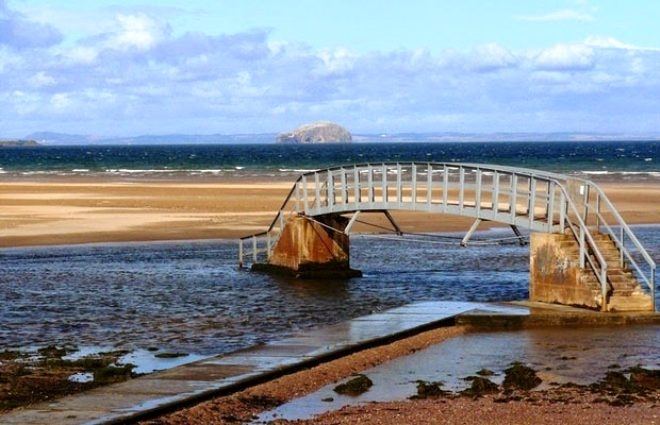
(131, 67)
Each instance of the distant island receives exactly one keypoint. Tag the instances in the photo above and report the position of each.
(317, 133)
(11, 143)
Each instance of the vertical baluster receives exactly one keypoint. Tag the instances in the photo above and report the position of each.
(622, 247)
(356, 178)
(317, 191)
(445, 187)
(514, 196)
(370, 184)
(398, 183)
(384, 189)
(477, 195)
(305, 195)
(429, 184)
(413, 194)
(563, 207)
(550, 207)
(344, 187)
(496, 193)
(461, 188)
(532, 200)
(331, 191)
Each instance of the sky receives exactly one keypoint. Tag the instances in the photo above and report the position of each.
(137, 67)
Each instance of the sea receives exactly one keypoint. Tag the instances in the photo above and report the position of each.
(190, 297)
(617, 159)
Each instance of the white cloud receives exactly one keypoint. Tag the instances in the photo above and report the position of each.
(137, 31)
(492, 57)
(607, 43)
(559, 15)
(565, 57)
(613, 43)
(337, 61)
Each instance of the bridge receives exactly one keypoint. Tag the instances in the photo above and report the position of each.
(581, 250)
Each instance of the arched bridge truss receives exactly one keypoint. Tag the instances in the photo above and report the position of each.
(538, 200)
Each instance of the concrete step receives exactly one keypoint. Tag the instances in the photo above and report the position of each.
(633, 302)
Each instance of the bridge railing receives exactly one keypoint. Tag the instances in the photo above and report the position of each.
(258, 247)
(540, 201)
(511, 196)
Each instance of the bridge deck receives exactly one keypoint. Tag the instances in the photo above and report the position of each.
(538, 200)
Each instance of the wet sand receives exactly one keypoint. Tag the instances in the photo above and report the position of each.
(65, 212)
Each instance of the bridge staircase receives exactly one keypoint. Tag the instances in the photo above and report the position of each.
(589, 232)
(624, 292)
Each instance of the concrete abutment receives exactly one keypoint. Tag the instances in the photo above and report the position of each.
(555, 273)
(312, 248)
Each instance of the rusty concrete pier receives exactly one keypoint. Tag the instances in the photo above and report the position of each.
(582, 252)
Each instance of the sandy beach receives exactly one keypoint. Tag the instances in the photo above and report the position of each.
(66, 212)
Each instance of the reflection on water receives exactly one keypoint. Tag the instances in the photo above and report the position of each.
(190, 297)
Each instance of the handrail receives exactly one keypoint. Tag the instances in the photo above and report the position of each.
(366, 186)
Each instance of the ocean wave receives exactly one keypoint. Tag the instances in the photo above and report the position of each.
(297, 170)
(616, 172)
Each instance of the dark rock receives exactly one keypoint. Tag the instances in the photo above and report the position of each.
(480, 386)
(262, 401)
(519, 376)
(645, 378)
(354, 387)
(429, 389)
(485, 372)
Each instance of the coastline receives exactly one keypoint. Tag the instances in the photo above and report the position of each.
(71, 211)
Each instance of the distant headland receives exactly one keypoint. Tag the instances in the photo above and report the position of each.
(317, 133)
(11, 143)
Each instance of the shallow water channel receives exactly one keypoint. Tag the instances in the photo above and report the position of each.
(559, 355)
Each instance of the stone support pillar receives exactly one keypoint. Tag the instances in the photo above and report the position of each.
(312, 249)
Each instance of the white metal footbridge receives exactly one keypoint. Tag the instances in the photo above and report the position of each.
(537, 200)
